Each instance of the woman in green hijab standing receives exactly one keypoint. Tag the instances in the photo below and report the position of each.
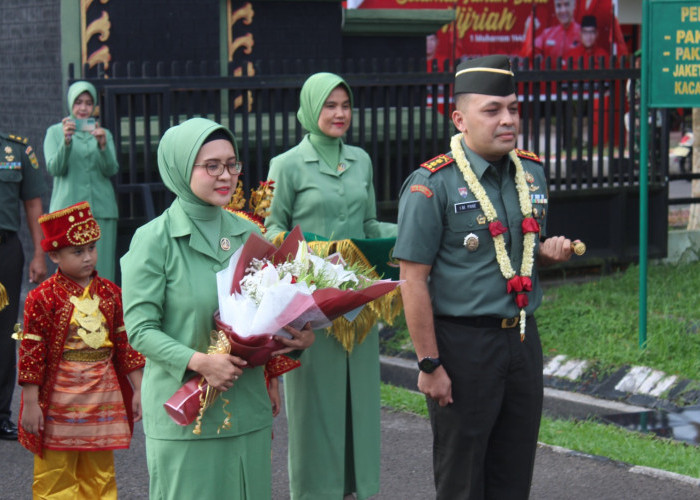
(332, 400)
(81, 158)
(169, 293)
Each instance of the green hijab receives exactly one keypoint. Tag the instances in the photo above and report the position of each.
(78, 88)
(313, 95)
(176, 155)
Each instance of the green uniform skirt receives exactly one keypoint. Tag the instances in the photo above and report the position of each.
(107, 248)
(234, 468)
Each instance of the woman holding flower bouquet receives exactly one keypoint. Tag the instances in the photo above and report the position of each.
(170, 295)
(332, 400)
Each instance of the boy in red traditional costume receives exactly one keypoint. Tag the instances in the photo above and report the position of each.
(74, 362)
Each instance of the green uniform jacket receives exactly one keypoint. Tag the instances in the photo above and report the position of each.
(437, 211)
(81, 171)
(20, 179)
(335, 205)
(169, 291)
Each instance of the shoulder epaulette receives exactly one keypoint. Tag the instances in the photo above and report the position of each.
(16, 138)
(437, 163)
(528, 155)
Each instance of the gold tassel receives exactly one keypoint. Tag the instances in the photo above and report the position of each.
(350, 334)
(219, 344)
(4, 300)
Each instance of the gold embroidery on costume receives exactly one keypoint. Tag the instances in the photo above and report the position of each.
(88, 317)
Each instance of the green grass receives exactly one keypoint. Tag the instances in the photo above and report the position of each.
(599, 320)
(585, 436)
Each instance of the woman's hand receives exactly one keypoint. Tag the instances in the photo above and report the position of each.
(68, 129)
(273, 390)
(101, 136)
(301, 339)
(136, 405)
(219, 370)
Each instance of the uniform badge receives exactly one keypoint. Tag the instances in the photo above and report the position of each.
(225, 244)
(420, 188)
(471, 242)
(463, 192)
(535, 212)
(481, 219)
(8, 150)
(534, 188)
(529, 178)
(32, 157)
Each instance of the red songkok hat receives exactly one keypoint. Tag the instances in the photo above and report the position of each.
(71, 227)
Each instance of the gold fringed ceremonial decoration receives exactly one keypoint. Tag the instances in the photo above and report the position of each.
(352, 333)
(385, 308)
(4, 301)
(219, 345)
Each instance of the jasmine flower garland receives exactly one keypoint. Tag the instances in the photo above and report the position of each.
(517, 284)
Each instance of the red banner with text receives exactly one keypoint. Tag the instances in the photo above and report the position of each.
(550, 28)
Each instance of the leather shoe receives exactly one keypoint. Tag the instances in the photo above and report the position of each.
(8, 430)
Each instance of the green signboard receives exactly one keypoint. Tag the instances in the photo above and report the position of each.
(673, 48)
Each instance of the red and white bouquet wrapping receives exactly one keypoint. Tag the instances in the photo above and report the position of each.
(265, 288)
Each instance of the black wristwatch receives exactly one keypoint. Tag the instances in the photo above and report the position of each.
(428, 365)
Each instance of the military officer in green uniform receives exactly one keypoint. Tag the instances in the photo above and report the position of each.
(469, 246)
(20, 180)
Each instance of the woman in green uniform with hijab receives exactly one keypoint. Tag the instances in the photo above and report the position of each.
(81, 158)
(169, 291)
(332, 400)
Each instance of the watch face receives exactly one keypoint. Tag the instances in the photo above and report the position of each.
(428, 365)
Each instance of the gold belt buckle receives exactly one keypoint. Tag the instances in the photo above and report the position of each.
(510, 322)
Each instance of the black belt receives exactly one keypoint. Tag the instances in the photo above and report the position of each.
(482, 321)
(6, 235)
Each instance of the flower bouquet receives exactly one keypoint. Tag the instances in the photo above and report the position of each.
(265, 288)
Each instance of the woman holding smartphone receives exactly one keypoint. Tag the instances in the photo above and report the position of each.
(80, 156)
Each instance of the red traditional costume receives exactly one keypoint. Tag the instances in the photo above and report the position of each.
(74, 347)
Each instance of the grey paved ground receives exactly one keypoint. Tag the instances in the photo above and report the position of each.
(406, 470)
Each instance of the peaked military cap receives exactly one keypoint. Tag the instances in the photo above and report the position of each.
(490, 75)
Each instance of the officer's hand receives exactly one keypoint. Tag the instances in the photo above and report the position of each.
(68, 129)
(555, 249)
(436, 385)
(101, 136)
(37, 269)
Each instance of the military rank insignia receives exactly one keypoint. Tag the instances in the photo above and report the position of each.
(419, 188)
(528, 155)
(437, 163)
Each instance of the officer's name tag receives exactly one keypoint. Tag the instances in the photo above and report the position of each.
(467, 206)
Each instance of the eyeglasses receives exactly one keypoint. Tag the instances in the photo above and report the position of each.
(216, 167)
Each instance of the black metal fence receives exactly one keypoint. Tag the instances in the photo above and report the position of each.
(582, 123)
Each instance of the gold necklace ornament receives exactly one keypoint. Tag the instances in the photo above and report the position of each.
(518, 285)
(88, 317)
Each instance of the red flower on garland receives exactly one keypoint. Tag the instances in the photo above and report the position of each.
(521, 300)
(496, 228)
(530, 225)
